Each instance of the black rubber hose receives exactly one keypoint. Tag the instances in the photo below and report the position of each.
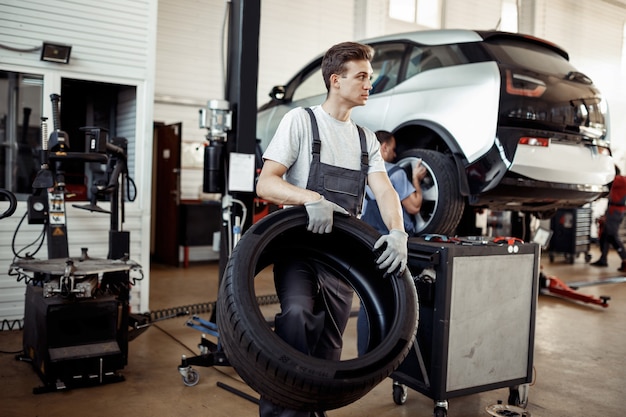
(12, 203)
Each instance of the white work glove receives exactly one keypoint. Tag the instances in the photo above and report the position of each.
(395, 255)
(321, 215)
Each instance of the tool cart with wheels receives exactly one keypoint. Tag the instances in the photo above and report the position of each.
(571, 234)
(477, 305)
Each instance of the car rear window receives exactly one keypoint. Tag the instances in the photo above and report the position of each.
(529, 55)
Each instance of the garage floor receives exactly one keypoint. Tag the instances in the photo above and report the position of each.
(580, 370)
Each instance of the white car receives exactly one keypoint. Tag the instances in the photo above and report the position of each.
(501, 121)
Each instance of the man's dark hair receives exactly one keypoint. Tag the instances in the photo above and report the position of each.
(383, 136)
(335, 58)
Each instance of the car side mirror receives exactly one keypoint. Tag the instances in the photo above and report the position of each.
(278, 92)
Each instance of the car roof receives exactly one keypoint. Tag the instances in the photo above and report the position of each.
(448, 36)
(431, 37)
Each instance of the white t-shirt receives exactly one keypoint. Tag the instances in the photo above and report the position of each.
(292, 143)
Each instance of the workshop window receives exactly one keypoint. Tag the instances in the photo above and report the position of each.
(103, 105)
(423, 12)
(21, 104)
(82, 103)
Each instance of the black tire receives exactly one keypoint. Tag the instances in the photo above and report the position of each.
(518, 396)
(443, 204)
(12, 203)
(276, 370)
(400, 393)
(440, 412)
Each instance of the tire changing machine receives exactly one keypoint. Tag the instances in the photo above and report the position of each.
(77, 318)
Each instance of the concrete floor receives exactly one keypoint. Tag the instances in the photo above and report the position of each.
(579, 367)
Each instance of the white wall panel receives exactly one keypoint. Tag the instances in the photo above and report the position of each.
(473, 14)
(107, 37)
(189, 39)
(112, 42)
(293, 33)
(126, 116)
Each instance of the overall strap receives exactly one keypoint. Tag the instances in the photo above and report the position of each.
(365, 160)
(317, 143)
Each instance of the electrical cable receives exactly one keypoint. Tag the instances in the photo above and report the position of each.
(129, 182)
(11, 48)
(11, 325)
(40, 238)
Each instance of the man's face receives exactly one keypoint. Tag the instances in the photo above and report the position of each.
(388, 150)
(355, 83)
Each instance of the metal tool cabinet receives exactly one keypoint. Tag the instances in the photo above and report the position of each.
(571, 234)
(477, 304)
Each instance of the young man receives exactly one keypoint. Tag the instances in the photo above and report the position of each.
(306, 148)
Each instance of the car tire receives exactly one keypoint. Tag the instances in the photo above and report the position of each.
(279, 372)
(443, 204)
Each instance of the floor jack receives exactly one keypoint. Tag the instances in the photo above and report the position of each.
(553, 285)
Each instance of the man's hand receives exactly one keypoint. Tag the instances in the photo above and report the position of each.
(321, 215)
(419, 172)
(395, 255)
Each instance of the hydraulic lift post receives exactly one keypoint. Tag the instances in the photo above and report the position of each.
(241, 92)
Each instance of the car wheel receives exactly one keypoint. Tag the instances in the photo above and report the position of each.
(443, 204)
(279, 372)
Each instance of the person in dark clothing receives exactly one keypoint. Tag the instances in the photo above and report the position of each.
(611, 222)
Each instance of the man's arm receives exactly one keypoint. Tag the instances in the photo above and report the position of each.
(413, 202)
(395, 251)
(387, 199)
(271, 186)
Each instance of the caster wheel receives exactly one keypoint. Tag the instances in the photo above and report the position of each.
(518, 396)
(440, 412)
(400, 393)
(192, 378)
(587, 257)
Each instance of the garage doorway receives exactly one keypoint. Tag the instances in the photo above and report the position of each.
(165, 193)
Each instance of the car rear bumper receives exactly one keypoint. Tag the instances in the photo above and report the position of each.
(564, 163)
(524, 194)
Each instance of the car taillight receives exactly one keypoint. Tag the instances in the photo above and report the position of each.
(523, 85)
(530, 141)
